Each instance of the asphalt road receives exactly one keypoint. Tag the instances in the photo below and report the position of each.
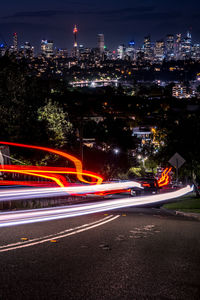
(129, 254)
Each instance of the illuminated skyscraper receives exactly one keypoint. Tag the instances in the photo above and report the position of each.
(159, 50)
(196, 52)
(130, 50)
(186, 47)
(147, 48)
(47, 48)
(121, 52)
(177, 46)
(3, 49)
(15, 42)
(169, 47)
(100, 42)
(189, 37)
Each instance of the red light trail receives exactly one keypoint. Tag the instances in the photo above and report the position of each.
(164, 179)
(51, 173)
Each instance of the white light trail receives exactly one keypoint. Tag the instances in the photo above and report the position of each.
(48, 214)
(19, 194)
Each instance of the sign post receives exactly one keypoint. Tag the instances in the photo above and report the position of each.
(177, 161)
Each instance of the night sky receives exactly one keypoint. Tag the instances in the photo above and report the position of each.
(120, 21)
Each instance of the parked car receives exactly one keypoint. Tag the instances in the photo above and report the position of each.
(149, 187)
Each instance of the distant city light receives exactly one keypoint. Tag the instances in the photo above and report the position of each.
(131, 43)
(116, 151)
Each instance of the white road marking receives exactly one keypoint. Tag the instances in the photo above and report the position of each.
(57, 236)
(51, 235)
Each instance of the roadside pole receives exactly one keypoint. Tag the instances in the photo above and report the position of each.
(177, 161)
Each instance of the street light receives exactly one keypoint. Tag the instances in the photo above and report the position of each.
(143, 159)
(116, 151)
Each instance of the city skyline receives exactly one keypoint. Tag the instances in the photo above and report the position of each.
(119, 22)
(100, 43)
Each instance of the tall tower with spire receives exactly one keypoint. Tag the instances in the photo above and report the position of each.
(15, 42)
(75, 32)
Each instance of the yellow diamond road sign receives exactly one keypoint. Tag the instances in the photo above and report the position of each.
(177, 160)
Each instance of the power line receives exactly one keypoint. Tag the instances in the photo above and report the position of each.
(14, 159)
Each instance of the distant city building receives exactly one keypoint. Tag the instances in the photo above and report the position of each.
(139, 55)
(84, 53)
(121, 52)
(61, 53)
(3, 49)
(179, 91)
(111, 55)
(130, 51)
(100, 42)
(144, 136)
(81, 49)
(15, 42)
(169, 47)
(159, 51)
(186, 47)
(147, 48)
(132, 44)
(177, 46)
(47, 48)
(27, 50)
(196, 52)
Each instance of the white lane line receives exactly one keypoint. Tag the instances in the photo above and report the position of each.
(76, 231)
(50, 235)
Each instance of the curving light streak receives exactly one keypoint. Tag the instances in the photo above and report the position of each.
(19, 194)
(45, 172)
(49, 214)
(164, 179)
(26, 183)
(59, 181)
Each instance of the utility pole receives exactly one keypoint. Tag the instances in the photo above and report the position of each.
(81, 139)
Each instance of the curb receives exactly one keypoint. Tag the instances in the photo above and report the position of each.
(195, 216)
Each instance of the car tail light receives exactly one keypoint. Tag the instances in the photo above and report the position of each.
(146, 185)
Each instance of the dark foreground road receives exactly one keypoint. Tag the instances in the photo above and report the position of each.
(137, 255)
